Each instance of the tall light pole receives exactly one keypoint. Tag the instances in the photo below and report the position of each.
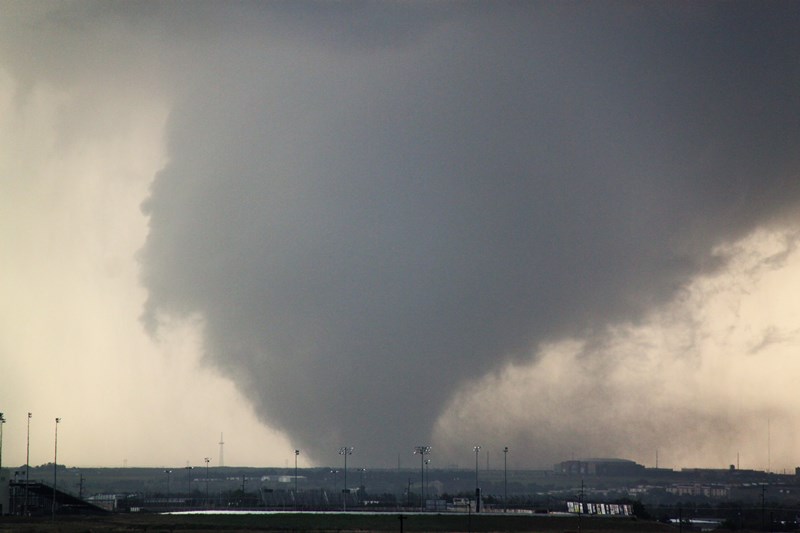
(580, 509)
(427, 474)
(422, 451)
(477, 489)
(2, 421)
(80, 485)
(345, 450)
(188, 480)
(27, 465)
(168, 472)
(207, 460)
(296, 453)
(505, 479)
(55, 469)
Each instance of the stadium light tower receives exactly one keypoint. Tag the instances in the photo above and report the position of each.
(55, 469)
(207, 460)
(505, 479)
(27, 465)
(2, 421)
(168, 472)
(296, 453)
(427, 474)
(422, 451)
(345, 451)
(188, 478)
(477, 489)
(476, 449)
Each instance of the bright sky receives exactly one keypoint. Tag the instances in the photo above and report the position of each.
(728, 389)
(73, 345)
(570, 230)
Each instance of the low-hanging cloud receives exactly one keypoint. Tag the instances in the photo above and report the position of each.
(370, 205)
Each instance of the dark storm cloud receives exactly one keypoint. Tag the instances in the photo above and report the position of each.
(371, 204)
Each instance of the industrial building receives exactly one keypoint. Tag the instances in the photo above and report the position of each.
(599, 467)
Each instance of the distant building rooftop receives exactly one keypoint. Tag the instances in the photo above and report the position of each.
(599, 467)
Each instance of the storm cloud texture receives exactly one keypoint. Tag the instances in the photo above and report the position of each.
(370, 206)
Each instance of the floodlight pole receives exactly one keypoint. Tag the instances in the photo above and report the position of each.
(55, 469)
(168, 472)
(2, 421)
(207, 460)
(427, 474)
(505, 479)
(422, 451)
(345, 450)
(188, 481)
(580, 509)
(477, 489)
(27, 465)
(296, 453)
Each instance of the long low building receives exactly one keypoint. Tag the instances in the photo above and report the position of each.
(599, 467)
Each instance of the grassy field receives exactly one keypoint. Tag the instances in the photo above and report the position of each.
(340, 523)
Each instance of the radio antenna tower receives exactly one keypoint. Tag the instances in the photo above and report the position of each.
(221, 456)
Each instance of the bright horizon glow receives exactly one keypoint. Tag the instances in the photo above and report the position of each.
(73, 344)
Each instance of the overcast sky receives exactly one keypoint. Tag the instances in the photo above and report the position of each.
(566, 228)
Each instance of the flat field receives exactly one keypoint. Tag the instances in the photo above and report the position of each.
(340, 523)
